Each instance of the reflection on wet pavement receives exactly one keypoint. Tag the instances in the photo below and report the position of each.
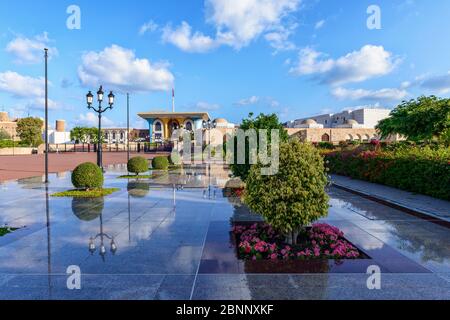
(167, 238)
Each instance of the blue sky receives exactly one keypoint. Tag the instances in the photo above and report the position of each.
(228, 57)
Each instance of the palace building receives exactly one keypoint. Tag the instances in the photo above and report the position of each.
(356, 125)
(162, 124)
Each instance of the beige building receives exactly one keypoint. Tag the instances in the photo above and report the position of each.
(334, 135)
(357, 125)
(7, 124)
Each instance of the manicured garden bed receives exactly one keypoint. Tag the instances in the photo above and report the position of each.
(94, 193)
(259, 241)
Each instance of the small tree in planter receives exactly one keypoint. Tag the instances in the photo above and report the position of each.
(87, 176)
(137, 165)
(294, 197)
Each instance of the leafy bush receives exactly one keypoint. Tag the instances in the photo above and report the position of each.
(262, 121)
(160, 163)
(11, 144)
(295, 196)
(87, 176)
(137, 165)
(424, 170)
(325, 145)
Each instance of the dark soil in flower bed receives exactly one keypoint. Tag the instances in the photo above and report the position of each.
(321, 242)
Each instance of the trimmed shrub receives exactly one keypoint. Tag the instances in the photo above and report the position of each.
(415, 169)
(87, 176)
(160, 163)
(295, 196)
(137, 165)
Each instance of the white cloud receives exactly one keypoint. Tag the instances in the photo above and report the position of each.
(205, 106)
(368, 62)
(248, 101)
(21, 86)
(279, 38)
(183, 38)
(25, 87)
(90, 119)
(149, 26)
(386, 94)
(237, 23)
(319, 24)
(438, 83)
(241, 21)
(119, 69)
(30, 51)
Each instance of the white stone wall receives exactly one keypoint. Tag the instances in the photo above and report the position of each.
(366, 118)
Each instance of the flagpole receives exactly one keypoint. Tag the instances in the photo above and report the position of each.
(173, 100)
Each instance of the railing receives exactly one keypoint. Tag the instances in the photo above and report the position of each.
(135, 147)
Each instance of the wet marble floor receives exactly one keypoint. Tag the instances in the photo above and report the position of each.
(171, 240)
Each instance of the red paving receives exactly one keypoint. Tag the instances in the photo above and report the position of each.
(26, 166)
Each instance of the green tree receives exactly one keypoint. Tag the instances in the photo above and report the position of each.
(262, 121)
(85, 134)
(424, 118)
(295, 196)
(30, 131)
(4, 135)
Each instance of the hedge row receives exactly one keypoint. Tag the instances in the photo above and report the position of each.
(411, 171)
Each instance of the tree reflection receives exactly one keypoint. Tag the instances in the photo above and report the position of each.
(88, 209)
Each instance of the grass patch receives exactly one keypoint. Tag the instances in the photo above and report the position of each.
(94, 193)
(133, 176)
(6, 230)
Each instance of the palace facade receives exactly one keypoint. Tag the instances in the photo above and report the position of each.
(163, 124)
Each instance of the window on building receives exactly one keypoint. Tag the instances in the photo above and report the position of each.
(158, 126)
(189, 126)
(325, 138)
(114, 136)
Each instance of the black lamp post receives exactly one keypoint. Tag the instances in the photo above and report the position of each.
(209, 125)
(99, 111)
(46, 115)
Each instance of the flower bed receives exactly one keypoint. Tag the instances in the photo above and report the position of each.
(321, 241)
